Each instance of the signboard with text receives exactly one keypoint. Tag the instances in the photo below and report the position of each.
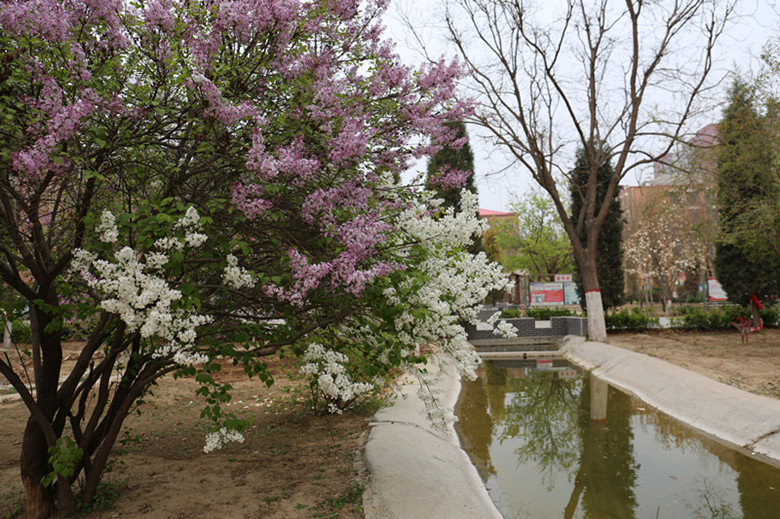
(570, 295)
(715, 291)
(546, 294)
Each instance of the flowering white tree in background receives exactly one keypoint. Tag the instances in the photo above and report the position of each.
(663, 245)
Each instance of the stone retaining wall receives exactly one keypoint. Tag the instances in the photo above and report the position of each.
(530, 327)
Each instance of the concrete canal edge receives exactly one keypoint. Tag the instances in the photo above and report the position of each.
(742, 420)
(416, 470)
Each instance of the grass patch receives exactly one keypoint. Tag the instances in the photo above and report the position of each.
(350, 497)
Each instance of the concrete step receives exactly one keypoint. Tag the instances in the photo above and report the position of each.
(517, 344)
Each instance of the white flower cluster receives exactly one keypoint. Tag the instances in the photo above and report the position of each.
(429, 393)
(191, 225)
(328, 367)
(217, 440)
(449, 229)
(143, 299)
(107, 228)
(457, 284)
(505, 329)
(235, 276)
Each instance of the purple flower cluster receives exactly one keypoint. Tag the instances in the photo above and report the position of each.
(310, 107)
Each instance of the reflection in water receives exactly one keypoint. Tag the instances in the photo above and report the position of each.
(477, 426)
(529, 431)
(607, 464)
(540, 407)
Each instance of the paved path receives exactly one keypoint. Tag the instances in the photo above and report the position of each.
(417, 472)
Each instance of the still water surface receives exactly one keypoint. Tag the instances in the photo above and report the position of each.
(527, 427)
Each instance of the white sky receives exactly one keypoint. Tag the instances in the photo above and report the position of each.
(741, 45)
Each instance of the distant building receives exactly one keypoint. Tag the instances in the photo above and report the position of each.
(496, 216)
(687, 180)
(496, 219)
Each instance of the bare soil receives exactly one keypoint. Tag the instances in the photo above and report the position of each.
(294, 464)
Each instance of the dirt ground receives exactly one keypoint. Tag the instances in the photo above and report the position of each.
(292, 464)
(297, 465)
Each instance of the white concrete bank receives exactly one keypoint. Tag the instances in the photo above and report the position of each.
(736, 417)
(416, 471)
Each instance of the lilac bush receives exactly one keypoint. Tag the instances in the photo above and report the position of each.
(200, 181)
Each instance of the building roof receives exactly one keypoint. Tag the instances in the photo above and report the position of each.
(490, 212)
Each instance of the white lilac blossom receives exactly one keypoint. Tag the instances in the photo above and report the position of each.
(235, 276)
(191, 225)
(329, 370)
(457, 283)
(143, 299)
(505, 329)
(454, 285)
(107, 228)
(217, 440)
(169, 243)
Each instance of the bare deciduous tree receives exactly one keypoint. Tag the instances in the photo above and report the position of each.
(628, 74)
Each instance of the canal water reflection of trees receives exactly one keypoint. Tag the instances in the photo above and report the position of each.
(528, 428)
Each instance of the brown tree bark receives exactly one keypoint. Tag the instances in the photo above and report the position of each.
(34, 460)
(39, 502)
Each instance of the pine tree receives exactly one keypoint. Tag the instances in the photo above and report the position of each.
(452, 159)
(747, 179)
(609, 260)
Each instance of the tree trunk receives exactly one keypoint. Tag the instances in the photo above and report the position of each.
(34, 462)
(756, 310)
(34, 465)
(597, 328)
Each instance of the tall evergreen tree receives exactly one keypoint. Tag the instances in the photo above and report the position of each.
(609, 255)
(747, 178)
(449, 163)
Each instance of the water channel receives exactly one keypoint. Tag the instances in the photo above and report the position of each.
(528, 428)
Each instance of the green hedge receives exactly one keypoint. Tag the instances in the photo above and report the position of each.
(511, 313)
(771, 316)
(695, 318)
(634, 320)
(544, 314)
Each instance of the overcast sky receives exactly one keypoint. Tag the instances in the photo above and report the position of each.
(740, 49)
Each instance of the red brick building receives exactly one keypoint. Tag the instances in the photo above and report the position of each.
(686, 181)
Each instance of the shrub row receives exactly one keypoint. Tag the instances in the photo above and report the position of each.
(690, 318)
(694, 318)
(634, 320)
(511, 313)
(542, 314)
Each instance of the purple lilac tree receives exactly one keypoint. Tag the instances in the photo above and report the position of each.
(188, 180)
